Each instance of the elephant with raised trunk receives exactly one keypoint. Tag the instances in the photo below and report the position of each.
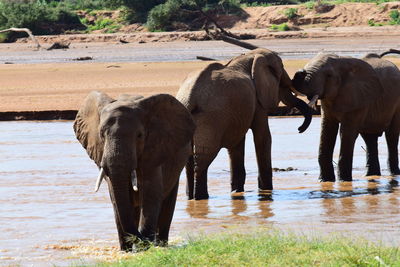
(140, 146)
(225, 102)
(358, 96)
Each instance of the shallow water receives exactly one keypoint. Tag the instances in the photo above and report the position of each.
(49, 213)
(305, 48)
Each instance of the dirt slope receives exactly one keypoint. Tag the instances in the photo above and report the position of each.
(342, 15)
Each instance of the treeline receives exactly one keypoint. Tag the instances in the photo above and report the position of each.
(59, 16)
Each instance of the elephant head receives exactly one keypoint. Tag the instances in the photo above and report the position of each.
(344, 83)
(273, 84)
(126, 138)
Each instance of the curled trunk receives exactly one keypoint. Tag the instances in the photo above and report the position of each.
(287, 97)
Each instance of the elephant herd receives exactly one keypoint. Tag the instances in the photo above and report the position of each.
(142, 144)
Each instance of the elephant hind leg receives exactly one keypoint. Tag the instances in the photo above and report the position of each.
(190, 177)
(392, 140)
(201, 163)
(166, 214)
(373, 167)
(238, 172)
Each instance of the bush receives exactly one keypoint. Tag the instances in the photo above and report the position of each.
(39, 17)
(280, 27)
(291, 13)
(395, 17)
(163, 17)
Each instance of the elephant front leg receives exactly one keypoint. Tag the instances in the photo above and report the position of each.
(392, 140)
(371, 141)
(348, 135)
(166, 214)
(151, 196)
(238, 172)
(329, 130)
(262, 142)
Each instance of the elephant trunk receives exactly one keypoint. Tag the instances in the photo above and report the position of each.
(287, 97)
(121, 194)
(119, 166)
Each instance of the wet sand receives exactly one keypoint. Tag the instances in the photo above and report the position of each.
(50, 214)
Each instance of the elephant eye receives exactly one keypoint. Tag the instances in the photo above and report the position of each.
(140, 135)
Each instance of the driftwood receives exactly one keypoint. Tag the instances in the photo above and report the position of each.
(38, 46)
(237, 42)
(205, 58)
(59, 45)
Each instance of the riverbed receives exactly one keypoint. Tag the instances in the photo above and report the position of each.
(50, 215)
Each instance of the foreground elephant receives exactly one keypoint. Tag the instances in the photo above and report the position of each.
(225, 101)
(363, 96)
(141, 146)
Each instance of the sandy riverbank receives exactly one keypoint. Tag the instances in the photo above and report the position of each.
(55, 86)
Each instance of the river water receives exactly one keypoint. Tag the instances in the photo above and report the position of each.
(49, 213)
(187, 51)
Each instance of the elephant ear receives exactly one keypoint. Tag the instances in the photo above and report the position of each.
(266, 79)
(360, 85)
(169, 127)
(86, 124)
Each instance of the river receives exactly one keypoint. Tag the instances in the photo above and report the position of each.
(49, 213)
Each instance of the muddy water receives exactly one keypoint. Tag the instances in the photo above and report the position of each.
(50, 215)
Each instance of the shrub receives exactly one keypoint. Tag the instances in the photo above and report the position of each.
(280, 27)
(291, 13)
(395, 17)
(309, 5)
(39, 17)
(163, 17)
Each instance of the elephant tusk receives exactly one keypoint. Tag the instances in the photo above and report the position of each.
(99, 179)
(313, 103)
(134, 181)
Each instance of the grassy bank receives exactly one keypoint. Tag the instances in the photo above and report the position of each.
(266, 249)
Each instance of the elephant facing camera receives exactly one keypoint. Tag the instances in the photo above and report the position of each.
(140, 146)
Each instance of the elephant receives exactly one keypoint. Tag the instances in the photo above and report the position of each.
(141, 146)
(225, 102)
(362, 96)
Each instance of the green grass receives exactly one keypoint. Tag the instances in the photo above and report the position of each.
(106, 24)
(266, 249)
(280, 27)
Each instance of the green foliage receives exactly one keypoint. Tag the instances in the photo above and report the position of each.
(395, 17)
(163, 16)
(290, 13)
(255, 4)
(309, 5)
(266, 249)
(280, 27)
(86, 4)
(39, 16)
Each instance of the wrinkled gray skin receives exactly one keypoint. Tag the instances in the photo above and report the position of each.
(149, 135)
(362, 96)
(225, 101)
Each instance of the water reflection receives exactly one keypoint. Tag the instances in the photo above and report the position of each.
(48, 209)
